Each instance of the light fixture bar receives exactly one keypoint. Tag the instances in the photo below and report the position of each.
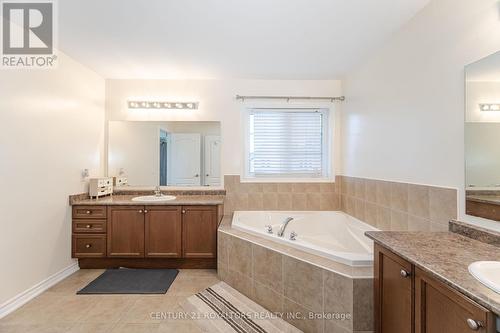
(141, 104)
(288, 98)
(489, 106)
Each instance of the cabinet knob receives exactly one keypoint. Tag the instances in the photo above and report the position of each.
(474, 325)
(404, 273)
(207, 175)
(140, 211)
(88, 226)
(88, 212)
(183, 211)
(88, 246)
(197, 175)
(145, 210)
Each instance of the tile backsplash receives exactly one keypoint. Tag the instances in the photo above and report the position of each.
(279, 196)
(398, 206)
(384, 204)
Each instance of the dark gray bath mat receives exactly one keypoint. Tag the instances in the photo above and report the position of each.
(131, 281)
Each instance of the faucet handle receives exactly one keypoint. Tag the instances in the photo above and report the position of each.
(293, 235)
(269, 229)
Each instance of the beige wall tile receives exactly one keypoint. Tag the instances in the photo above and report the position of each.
(349, 186)
(240, 256)
(284, 187)
(383, 193)
(359, 188)
(443, 204)
(328, 201)
(299, 187)
(371, 190)
(399, 196)
(359, 209)
(284, 201)
(439, 226)
(267, 297)
(241, 201)
(303, 283)
(343, 185)
(363, 305)
(299, 201)
(268, 267)
(350, 207)
(383, 218)
(418, 224)
(240, 282)
(338, 296)
(314, 201)
(255, 201)
(370, 213)
(399, 221)
(304, 324)
(312, 188)
(418, 200)
(269, 187)
(270, 200)
(327, 187)
(222, 247)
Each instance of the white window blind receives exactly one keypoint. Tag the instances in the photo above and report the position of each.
(287, 143)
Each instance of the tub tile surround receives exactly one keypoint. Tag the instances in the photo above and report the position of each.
(279, 196)
(287, 280)
(398, 206)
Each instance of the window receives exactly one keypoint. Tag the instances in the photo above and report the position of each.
(287, 143)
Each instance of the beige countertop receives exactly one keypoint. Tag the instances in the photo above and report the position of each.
(485, 198)
(446, 256)
(123, 200)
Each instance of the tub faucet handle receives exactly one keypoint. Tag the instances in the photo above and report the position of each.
(269, 229)
(293, 235)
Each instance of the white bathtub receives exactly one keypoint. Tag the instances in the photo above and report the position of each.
(331, 234)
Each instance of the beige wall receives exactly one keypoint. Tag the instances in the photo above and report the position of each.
(217, 103)
(403, 119)
(52, 129)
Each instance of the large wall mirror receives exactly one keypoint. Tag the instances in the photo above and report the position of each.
(152, 153)
(482, 137)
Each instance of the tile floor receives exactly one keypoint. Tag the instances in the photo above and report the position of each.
(59, 309)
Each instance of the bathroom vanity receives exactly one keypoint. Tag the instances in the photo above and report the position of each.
(422, 284)
(117, 231)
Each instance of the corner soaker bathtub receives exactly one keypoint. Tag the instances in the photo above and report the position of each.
(331, 234)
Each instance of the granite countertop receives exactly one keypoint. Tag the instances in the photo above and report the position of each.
(446, 256)
(485, 198)
(119, 200)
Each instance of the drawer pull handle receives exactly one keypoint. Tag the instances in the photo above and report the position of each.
(140, 211)
(88, 212)
(474, 325)
(404, 273)
(88, 226)
(88, 246)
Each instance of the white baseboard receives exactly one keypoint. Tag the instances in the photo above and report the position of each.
(19, 300)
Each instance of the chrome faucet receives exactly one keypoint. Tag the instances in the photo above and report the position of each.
(157, 191)
(283, 226)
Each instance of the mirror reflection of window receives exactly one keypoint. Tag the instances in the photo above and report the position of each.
(151, 153)
(482, 137)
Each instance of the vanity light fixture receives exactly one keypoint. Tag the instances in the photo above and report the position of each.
(162, 105)
(489, 106)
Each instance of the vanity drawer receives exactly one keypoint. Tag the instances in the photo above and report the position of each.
(89, 226)
(89, 212)
(89, 246)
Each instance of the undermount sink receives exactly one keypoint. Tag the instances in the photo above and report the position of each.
(154, 198)
(488, 273)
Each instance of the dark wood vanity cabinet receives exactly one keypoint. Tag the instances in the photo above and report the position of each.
(125, 231)
(408, 299)
(163, 232)
(179, 235)
(199, 231)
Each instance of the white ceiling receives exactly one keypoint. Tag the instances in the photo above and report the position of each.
(252, 39)
(484, 70)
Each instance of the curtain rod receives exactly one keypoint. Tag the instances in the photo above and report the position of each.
(288, 98)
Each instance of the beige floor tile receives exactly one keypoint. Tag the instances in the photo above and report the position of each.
(36, 328)
(92, 328)
(108, 309)
(145, 310)
(179, 326)
(136, 328)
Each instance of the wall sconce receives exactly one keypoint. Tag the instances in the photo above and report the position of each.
(489, 106)
(162, 105)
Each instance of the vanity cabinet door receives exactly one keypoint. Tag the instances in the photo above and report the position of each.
(393, 286)
(163, 235)
(199, 230)
(125, 231)
(440, 309)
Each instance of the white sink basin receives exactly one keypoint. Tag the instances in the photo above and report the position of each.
(488, 273)
(154, 198)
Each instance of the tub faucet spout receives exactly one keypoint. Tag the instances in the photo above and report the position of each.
(283, 226)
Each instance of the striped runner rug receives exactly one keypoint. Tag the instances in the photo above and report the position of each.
(222, 309)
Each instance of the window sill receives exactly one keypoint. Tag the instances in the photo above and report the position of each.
(287, 180)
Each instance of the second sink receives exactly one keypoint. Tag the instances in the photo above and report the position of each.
(154, 198)
(488, 273)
